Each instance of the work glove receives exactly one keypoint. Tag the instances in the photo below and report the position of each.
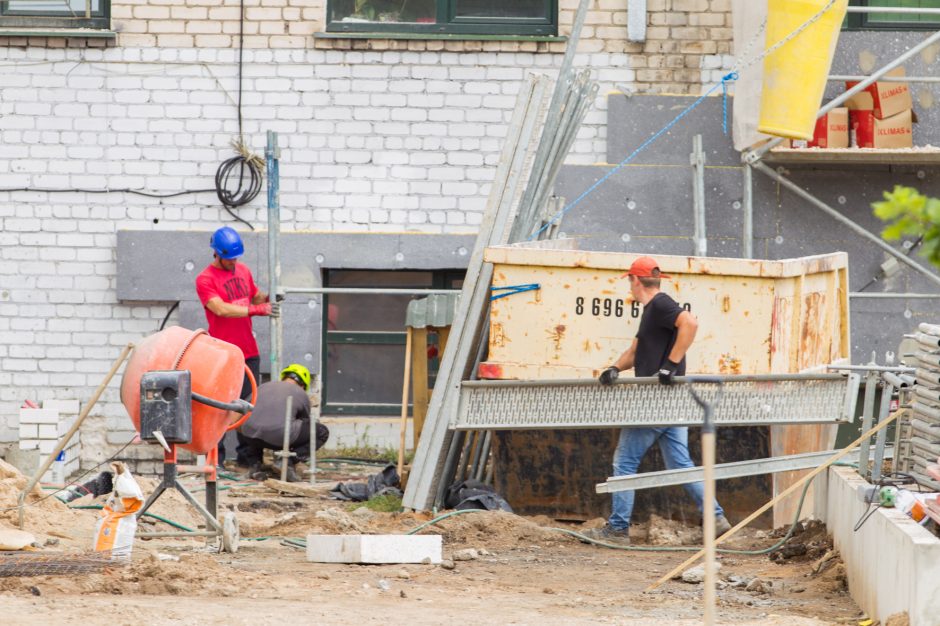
(265, 308)
(609, 375)
(668, 372)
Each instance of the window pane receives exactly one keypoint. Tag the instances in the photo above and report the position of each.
(51, 7)
(501, 8)
(372, 312)
(384, 11)
(878, 18)
(364, 374)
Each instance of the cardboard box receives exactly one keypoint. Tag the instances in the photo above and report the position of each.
(885, 99)
(832, 130)
(893, 132)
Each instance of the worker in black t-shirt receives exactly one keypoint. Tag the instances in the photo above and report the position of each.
(666, 332)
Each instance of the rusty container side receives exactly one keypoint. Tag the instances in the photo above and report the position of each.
(755, 317)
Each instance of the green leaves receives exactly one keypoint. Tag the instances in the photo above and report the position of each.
(909, 213)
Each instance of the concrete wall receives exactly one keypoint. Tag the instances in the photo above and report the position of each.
(893, 564)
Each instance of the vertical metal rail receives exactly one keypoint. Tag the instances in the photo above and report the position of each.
(697, 159)
(272, 154)
(868, 411)
(748, 208)
(314, 419)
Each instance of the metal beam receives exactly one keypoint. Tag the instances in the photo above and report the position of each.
(584, 403)
(748, 208)
(902, 257)
(724, 471)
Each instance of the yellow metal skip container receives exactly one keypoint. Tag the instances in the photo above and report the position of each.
(795, 74)
(755, 317)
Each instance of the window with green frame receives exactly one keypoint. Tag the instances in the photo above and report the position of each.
(469, 17)
(895, 21)
(363, 343)
(94, 14)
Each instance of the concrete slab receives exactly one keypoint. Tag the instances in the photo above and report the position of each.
(893, 564)
(373, 548)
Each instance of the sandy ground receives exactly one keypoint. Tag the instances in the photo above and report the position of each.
(525, 573)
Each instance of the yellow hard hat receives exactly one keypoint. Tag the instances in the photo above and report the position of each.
(299, 373)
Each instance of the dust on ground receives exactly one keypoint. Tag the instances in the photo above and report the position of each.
(522, 570)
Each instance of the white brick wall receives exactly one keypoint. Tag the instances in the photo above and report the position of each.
(371, 141)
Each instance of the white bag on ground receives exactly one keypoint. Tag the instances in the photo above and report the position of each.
(115, 530)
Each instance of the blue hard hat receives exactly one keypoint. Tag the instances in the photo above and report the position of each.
(227, 243)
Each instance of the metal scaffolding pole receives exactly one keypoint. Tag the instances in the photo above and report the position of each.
(816, 202)
(272, 154)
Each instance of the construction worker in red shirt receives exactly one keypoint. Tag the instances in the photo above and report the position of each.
(230, 298)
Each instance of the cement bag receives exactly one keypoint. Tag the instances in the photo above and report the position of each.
(115, 530)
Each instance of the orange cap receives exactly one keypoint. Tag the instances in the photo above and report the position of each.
(645, 267)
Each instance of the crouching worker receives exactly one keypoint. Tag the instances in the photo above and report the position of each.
(265, 428)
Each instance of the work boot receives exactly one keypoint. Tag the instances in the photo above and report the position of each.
(608, 534)
(256, 472)
(291, 475)
(722, 525)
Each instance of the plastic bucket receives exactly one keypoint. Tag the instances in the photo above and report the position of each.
(795, 74)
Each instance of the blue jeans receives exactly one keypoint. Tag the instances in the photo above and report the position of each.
(633, 444)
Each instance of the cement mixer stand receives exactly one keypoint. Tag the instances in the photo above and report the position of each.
(166, 418)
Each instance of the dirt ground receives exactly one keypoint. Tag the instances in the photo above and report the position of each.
(523, 572)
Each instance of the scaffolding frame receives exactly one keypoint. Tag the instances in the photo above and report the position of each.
(753, 158)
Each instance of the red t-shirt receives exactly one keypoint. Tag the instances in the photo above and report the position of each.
(236, 287)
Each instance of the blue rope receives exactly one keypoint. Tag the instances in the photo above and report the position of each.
(632, 155)
(512, 290)
(724, 99)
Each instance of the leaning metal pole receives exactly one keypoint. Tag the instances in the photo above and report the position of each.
(819, 204)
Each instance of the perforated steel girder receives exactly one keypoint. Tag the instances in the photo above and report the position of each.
(744, 401)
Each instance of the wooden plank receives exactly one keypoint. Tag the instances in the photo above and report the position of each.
(419, 380)
(858, 156)
(305, 490)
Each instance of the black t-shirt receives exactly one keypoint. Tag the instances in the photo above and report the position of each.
(657, 335)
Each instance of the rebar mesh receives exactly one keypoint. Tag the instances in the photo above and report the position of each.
(31, 564)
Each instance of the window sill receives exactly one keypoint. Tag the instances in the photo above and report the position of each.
(441, 37)
(80, 33)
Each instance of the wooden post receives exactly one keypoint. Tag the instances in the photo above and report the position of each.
(404, 402)
(419, 380)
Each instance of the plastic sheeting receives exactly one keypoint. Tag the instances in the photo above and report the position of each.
(748, 17)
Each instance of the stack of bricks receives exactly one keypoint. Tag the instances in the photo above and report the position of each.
(41, 429)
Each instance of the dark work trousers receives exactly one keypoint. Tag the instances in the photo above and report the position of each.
(254, 364)
(254, 448)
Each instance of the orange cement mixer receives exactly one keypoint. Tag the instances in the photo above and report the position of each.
(217, 369)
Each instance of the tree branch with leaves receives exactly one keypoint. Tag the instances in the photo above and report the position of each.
(910, 213)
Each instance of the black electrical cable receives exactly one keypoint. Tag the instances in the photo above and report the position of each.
(243, 163)
(168, 314)
(138, 192)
